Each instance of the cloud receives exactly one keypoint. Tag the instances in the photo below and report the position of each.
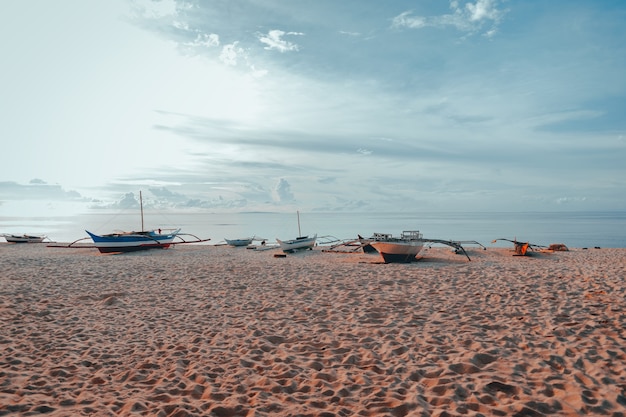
(482, 10)
(274, 41)
(165, 196)
(570, 200)
(37, 189)
(231, 53)
(282, 191)
(412, 22)
(154, 9)
(155, 197)
(471, 18)
(128, 201)
(207, 40)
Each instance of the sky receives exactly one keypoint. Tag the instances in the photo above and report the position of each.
(326, 105)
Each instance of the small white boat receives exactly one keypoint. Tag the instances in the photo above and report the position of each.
(394, 249)
(23, 238)
(239, 242)
(302, 242)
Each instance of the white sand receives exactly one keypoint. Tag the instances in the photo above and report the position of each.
(202, 330)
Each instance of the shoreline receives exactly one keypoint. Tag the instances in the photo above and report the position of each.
(574, 229)
(214, 330)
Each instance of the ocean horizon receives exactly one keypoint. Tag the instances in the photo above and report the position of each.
(574, 229)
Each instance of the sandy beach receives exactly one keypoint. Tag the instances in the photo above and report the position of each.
(200, 330)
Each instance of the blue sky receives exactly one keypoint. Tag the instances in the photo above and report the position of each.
(313, 105)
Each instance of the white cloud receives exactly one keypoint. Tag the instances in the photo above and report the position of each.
(37, 189)
(482, 10)
(206, 39)
(231, 54)
(200, 44)
(570, 200)
(470, 18)
(412, 22)
(348, 33)
(274, 41)
(282, 191)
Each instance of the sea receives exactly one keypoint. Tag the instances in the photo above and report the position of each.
(574, 229)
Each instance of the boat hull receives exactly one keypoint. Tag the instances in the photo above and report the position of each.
(402, 249)
(398, 251)
(238, 242)
(521, 248)
(297, 244)
(366, 245)
(131, 242)
(23, 239)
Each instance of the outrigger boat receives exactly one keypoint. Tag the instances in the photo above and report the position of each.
(23, 238)
(394, 249)
(134, 241)
(520, 248)
(239, 242)
(246, 241)
(407, 246)
(301, 242)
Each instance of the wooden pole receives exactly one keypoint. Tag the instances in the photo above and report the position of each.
(141, 206)
(299, 232)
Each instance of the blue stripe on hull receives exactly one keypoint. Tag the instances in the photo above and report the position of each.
(114, 249)
(131, 242)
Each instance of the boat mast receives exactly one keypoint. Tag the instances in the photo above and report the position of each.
(141, 206)
(299, 232)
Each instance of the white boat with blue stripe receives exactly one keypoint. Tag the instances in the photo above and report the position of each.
(132, 241)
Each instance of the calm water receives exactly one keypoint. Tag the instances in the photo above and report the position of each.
(575, 229)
